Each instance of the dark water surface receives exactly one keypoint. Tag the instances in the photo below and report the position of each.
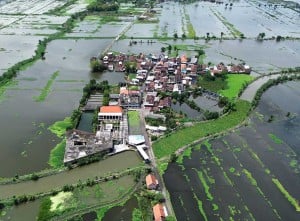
(238, 169)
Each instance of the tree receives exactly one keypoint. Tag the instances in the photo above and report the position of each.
(163, 49)
(183, 36)
(222, 33)
(261, 36)
(278, 38)
(175, 35)
(207, 35)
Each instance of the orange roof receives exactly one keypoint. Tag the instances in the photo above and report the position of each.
(158, 212)
(183, 58)
(150, 179)
(111, 109)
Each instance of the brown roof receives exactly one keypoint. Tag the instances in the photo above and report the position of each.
(111, 109)
(158, 212)
(150, 179)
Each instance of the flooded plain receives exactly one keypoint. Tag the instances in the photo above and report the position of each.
(26, 141)
(234, 176)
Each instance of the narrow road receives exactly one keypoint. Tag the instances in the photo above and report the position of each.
(162, 187)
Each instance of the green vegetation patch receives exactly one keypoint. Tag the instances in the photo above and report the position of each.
(137, 215)
(293, 163)
(59, 128)
(200, 207)
(287, 195)
(56, 159)
(169, 144)
(231, 169)
(276, 139)
(59, 200)
(102, 211)
(205, 185)
(134, 118)
(235, 83)
(162, 167)
(186, 153)
(47, 88)
(250, 177)
(215, 84)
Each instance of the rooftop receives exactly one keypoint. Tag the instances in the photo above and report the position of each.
(111, 109)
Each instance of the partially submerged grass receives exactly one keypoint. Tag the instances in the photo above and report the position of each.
(186, 153)
(45, 91)
(205, 185)
(169, 144)
(287, 195)
(276, 139)
(56, 159)
(59, 128)
(200, 207)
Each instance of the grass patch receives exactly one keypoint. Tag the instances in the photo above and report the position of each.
(275, 139)
(200, 207)
(250, 177)
(46, 89)
(231, 169)
(56, 159)
(134, 118)
(186, 153)
(235, 83)
(205, 185)
(291, 199)
(58, 201)
(169, 144)
(293, 163)
(216, 85)
(162, 167)
(137, 215)
(59, 128)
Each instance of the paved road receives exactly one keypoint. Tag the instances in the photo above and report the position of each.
(154, 164)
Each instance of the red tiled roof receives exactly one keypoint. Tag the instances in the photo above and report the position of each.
(111, 109)
(150, 179)
(158, 212)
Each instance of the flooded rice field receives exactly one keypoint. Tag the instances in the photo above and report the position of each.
(121, 212)
(24, 121)
(238, 176)
(80, 198)
(29, 6)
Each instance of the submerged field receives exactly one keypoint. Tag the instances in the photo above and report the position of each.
(250, 174)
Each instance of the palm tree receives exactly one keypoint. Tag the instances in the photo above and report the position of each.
(222, 33)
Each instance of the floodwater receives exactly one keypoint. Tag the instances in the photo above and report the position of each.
(229, 191)
(112, 164)
(185, 109)
(86, 121)
(121, 213)
(25, 140)
(26, 211)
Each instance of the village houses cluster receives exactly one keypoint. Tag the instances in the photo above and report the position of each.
(160, 73)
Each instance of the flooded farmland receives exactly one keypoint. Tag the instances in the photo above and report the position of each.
(234, 176)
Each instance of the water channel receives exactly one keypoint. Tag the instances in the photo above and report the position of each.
(112, 164)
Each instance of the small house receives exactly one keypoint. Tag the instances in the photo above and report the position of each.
(151, 182)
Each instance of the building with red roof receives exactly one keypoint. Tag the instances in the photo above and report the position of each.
(110, 114)
(151, 182)
(159, 212)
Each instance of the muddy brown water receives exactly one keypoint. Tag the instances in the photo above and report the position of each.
(112, 164)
